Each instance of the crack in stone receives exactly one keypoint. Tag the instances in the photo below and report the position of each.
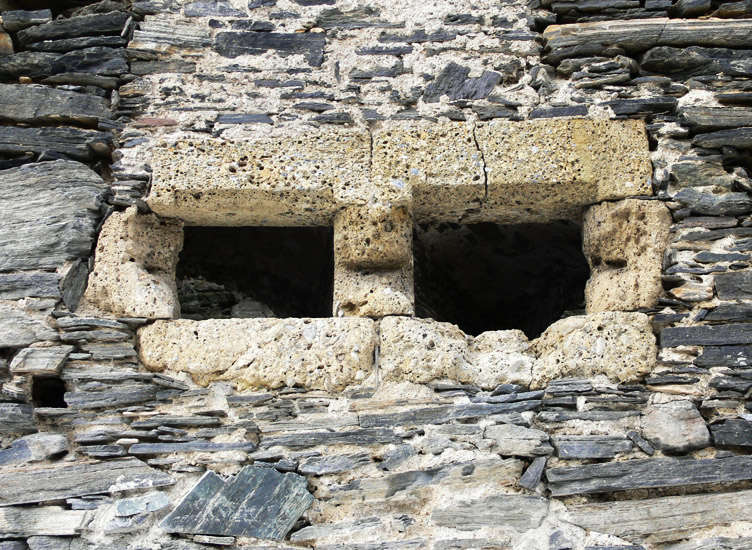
(483, 160)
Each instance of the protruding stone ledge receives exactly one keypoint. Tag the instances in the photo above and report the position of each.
(316, 354)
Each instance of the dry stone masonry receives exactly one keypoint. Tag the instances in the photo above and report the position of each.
(370, 275)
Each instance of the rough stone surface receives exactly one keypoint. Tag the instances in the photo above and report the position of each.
(373, 237)
(134, 267)
(624, 244)
(675, 427)
(19, 328)
(619, 345)
(263, 353)
(521, 512)
(421, 350)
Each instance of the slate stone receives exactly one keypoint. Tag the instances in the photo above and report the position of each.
(730, 312)
(706, 119)
(358, 18)
(327, 465)
(706, 257)
(519, 512)
(254, 4)
(675, 427)
(110, 397)
(690, 8)
(72, 143)
(339, 117)
(706, 335)
(71, 44)
(512, 440)
(736, 285)
(189, 447)
(555, 112)
(735, 432)
(176, 421)
(257, 502)
(151, 502)
(643, 106)
(444, 413)
(45, 361)
(706, 202)
(16, 20)
(590, 446)
(103, 451)
(532, 476)
(18, 522)
(29, 285)
(85, 25)
(243, 118)
(234, 44)
(34, 448)
(213, 9)
(453, 82)
(547, 417)
(16, 419)
(102, 62)
(410, 544)
(18, 328)
(715, 543)
(62, 480)
(314, 2)
(725, 356)
(385, 50)
(646, 473)
(376, 436)
(739, 138)
(74, 284)
(420, 36)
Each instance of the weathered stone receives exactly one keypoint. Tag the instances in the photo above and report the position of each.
(532, 476)
(134, 268)
(189, 447)
(619, 345)
(675, 427)
(641, 443)
(112, 396)
(34, 448)
(445, 413)
(257, 502)
(373, 293)
(706, 335)
(735, 432)
(16, 419)
(518, 512)
(302, 440)
(285, 180)
(694, 61)
(547, 170)
(705, 119)
(712, 204)
(358, 18)
(70, 44)
(454, 83)
(18, 328)
(235, 44)
(725, 356)
(734, 286)
(157, 37)
(28, 284)
(176, 421)
(327, 465)
(99, 61)
(43, 361)
(646, 473)
(590, 446)
(319, 353)
(624, 244)
(313, 532)
(16, 20)
(18, 522)
(71, 479)
(71, 142)
(513, 440)
(697, 174)
(662, 519)
(74, 284)
(213, 9)
(642, 34)
(373, 237)
(421, 350)
(715, 543)
(740, 138)
(31, 104)
(151, 502)
(105, 23)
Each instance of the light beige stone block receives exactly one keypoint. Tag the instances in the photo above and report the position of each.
(373, 293)
(620, 345)
(675, 427)
(545, 170)
(436, 167)
(316, 354)
(624, 244)
(373, 237)
(421, 350)
(134, 266)
(280, 179)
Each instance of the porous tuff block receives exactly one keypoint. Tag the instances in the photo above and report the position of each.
(421, 350)
(288, 179)
(619, 345)
(373, 237)
(373, 293)
(436, 167)
(323, 354)
(624, 244)
(545, 170)
(134, 267)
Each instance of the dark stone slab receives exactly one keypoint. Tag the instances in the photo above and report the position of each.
(358, 18)
(103, 451)
(736, 285)
(16, 20)
(641, 443)
(420, 36)
(326, 465)
(532, 476)
(74, 284)
(707, 119)
(189, 447)
(588, 416)
(70, 44)
(16, 419)
(29, 285)
(258, 502)
(646, 473)
(85, 25)
(453, 82)
(411, 544)
(334, 117)
(444, 414)
(706, 257)
(706, 202)
(555, 112)
(73, 479)
(377, 436)
(385, 50)
(102, 62)
(213, 9)
(176, 421)
(730, 312)
(71, 142)
(234, 44)
(51, 235)
(590, 446)
(181, 66)
(707, 335)
(243, 118)
(31, 104)
(725, 356)
(643, 106)
(735, 432)
(114, 396)
(739, 138)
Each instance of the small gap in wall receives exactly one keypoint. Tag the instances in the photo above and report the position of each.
(496, 277)
(48, 391)
(226, 272)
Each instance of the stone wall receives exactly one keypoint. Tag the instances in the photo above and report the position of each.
(123, 425)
